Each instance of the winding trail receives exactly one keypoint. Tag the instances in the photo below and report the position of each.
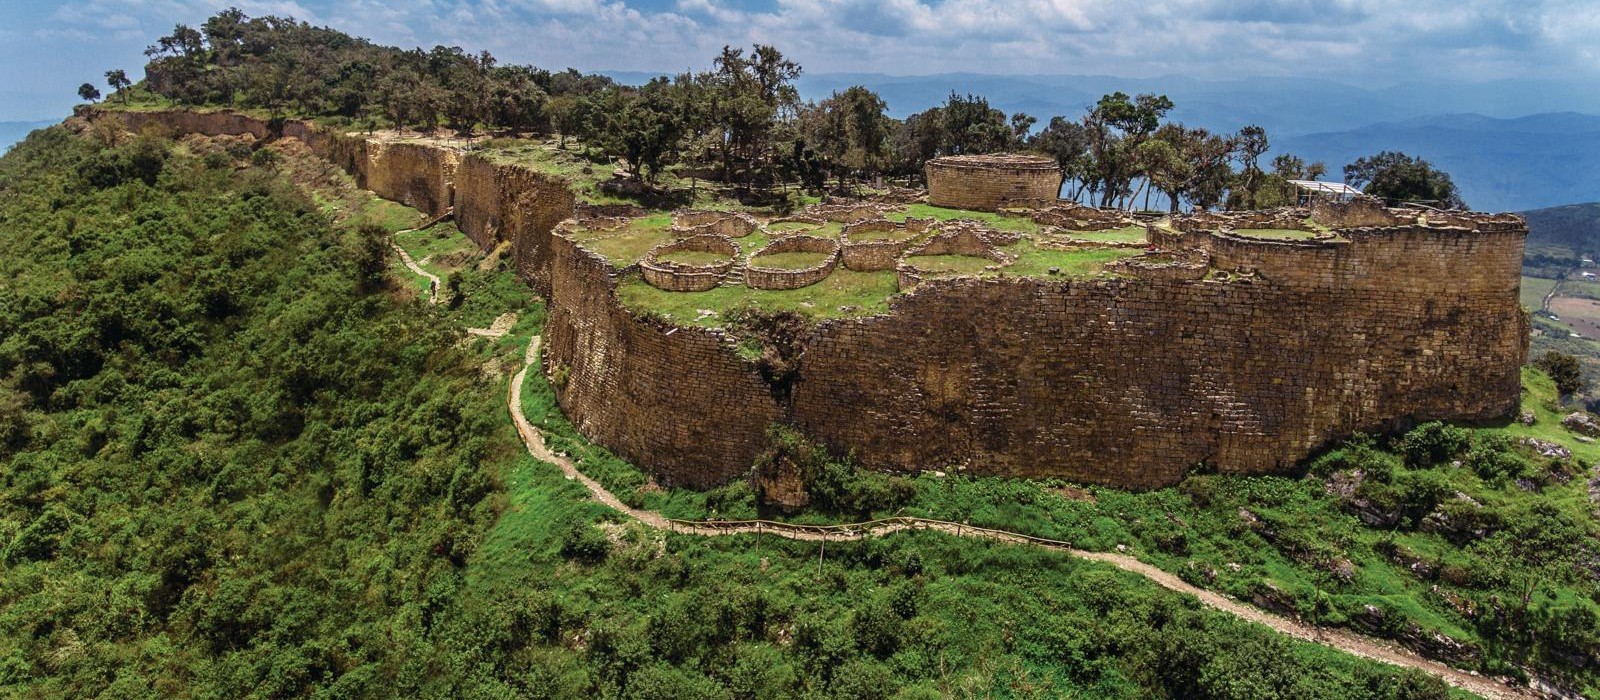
(405, 257)
(433, 280)
(1342, 640)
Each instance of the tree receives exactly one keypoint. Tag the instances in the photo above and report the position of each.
(849, 130)
(88, 92)
(1251, 144)
(1117, 125)
(650, 129)
(970, 125)
(917, 139)
(1397, 177)
(118, 80)
(1564, 369)
(748, 96)
(1068, 142)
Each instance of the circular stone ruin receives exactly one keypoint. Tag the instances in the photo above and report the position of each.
(877, 244)
(732, 224)
(987, 182)
(692, 264)
(794, 224)
(792, 263)
(959, 253)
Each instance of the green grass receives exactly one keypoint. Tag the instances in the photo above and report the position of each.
(1534, 290)
(1126, 234)
(1539, 396)
(1032, 261)
(843, 293)
(627, 245)
(998, 221)
(545, 156)
(895, 234)
(790, 261)
(950, 264)
(693, 257)
(784, 226)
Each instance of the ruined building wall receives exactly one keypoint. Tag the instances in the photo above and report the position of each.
(416, 175)
(677, 401)
(204, 123)
(987, 182)
(1129, 381)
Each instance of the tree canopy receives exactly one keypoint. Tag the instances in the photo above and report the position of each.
(742, 118)
(1397, 178)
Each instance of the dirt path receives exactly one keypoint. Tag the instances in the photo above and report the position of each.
(405, 257)
(1342, 640)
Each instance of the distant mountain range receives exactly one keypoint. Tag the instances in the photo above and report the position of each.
(1481, 133)
(1500, 164)
(1285, 106)
(1574, 227)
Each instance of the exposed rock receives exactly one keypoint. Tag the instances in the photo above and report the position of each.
(1413, 562)
(1546, 448)
(1581, 423)
(1527, 418)
(1341, 568)
(781, 483)
(1442, 647)
(1273, 599)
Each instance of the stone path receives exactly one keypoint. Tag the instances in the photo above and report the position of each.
(1342, 640)
(502, 325)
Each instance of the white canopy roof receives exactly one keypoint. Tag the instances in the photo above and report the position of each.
(1337, 189)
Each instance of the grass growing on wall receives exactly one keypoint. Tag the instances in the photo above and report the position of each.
(843, 293)
(1034, 261)
(999, 221)
(1126, 234)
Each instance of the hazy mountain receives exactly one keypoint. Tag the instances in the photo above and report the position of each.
(12, 132)
(1524, 163)
(1575, 227)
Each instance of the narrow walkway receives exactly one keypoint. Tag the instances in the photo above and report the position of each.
(1342, 640)
(433, 280)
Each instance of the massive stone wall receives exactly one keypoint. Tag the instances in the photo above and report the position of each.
(497, 202)
(1129, 381)
(988, 182)
(677, 401)
(1133, 382)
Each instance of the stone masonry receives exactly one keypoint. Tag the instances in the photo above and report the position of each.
(988, 182)
(1132, 380)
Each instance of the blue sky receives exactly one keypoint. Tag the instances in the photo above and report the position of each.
(48, 47)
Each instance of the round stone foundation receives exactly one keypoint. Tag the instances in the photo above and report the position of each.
(988, 182)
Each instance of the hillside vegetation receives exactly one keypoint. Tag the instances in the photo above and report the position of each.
(241, 460)
(1474, 546)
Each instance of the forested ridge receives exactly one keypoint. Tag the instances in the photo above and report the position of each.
(741, 121)
(229, 452)
(243, 461)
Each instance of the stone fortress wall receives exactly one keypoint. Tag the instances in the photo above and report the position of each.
(1130, 380)
(988, 182)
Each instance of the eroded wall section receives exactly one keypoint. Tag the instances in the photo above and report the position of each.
(1134, 382)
